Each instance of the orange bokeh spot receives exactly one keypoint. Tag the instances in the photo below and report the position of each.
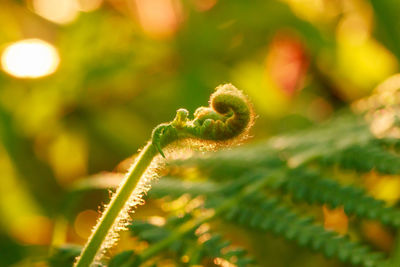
(84, 223)
(376, 234)
(33, 230)
(335, 219)
(159, 18)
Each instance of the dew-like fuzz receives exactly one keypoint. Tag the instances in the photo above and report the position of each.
(224, 123)
(136, 198)
(178, 150)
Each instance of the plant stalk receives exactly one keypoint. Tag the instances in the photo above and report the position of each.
(116, 205)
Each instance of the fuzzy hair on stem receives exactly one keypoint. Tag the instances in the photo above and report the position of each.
(225, 122)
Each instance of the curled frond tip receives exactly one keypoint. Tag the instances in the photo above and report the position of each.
(229, 115)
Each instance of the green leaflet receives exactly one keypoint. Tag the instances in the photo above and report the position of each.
(269, 215)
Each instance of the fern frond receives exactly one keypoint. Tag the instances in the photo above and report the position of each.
(250, 185)
(220, 249)
(226, 164)
(314, 189)
(364, 158)
(64, 256)
(269, 215)
(295, 149)
(195, 248)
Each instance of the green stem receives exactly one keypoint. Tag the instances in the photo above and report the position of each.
(114, 208)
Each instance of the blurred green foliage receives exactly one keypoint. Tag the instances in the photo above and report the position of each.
(124, 69)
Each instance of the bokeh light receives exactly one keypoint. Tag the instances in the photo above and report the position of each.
(58, 11)
(376, 234)
(33, 230)
(335, 219)
(84, 222)
(159, 18)
(89, 5)
(30, 58)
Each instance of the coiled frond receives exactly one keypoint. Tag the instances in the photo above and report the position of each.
(230, 115)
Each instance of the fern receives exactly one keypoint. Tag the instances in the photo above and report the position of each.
(364, 159)
(191, 249)
(227, 120)
(271, 186)
(312, 188)
(270, 215)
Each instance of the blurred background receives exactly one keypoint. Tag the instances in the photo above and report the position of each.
(83, 83)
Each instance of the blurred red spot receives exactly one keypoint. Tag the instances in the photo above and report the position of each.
(287, 63)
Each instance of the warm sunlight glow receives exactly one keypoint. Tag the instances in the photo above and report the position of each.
(58, 11)
(158, 18)
(30, 58)
(335, 219)
(84, 222)
(89, 5)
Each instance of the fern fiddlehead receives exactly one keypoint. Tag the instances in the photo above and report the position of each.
(229, 116)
